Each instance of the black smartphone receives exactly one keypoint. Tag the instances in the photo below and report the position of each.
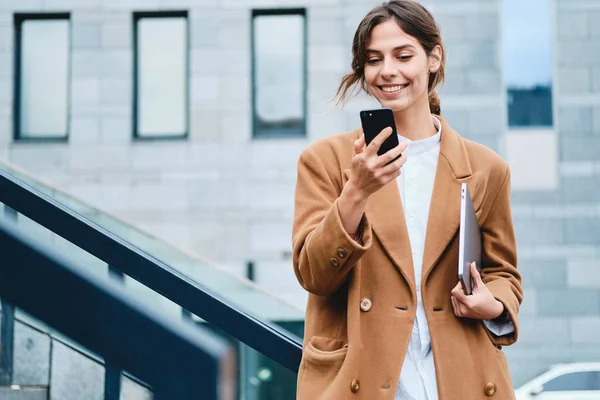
(374, 121)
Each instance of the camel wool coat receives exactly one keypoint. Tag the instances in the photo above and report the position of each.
(362, 296)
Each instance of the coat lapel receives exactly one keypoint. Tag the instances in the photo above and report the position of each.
(444, 213)
(385, 213)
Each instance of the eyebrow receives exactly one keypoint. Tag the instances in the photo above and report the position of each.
(404, 46)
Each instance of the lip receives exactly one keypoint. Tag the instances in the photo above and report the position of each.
(392, 95)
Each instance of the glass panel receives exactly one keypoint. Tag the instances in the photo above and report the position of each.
(279, 73)
(528, 62)
(573, 381)
(239, 291)
(131, 390)
(162, 81)
(259, 377)
(44, 75)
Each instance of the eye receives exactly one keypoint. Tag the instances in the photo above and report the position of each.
(372, 61)
(405, 57)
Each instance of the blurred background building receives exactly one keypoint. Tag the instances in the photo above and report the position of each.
(185, 118)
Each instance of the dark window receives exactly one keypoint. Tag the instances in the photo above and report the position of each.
(528, 62)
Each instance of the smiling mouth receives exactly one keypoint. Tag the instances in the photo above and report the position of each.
(393, 89)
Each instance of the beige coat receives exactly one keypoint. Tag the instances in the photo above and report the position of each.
(356, 352)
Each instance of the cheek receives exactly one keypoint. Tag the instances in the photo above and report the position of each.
(418, 75)
(370, 75)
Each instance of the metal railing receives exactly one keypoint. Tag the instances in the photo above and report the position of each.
(125, 259)
(189, 362)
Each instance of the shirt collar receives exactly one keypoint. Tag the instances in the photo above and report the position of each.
(423, 145)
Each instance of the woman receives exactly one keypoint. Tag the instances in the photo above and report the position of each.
(376, 245)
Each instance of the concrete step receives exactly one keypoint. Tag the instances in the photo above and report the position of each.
(23, 393)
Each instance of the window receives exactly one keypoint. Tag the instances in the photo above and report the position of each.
(528, 62)
(575, 381)
(161, 75)
(279, 72)
(42, 58)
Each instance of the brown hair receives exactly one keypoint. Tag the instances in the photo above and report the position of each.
(416, 21)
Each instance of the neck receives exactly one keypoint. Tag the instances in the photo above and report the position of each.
(415, 123)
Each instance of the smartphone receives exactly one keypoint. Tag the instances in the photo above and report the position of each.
(373, 122)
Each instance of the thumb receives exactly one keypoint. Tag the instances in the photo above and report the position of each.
(359, 144)
(475, 275)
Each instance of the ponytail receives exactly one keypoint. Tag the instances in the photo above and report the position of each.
(434, 103)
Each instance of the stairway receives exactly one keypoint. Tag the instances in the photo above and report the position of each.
(48, 367)
(23, 393)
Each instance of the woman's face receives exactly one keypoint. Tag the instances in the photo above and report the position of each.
(397, 67)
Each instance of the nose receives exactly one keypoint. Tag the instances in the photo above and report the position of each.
(389, 68)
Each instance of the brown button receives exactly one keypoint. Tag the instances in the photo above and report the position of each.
(490, 389)
(334, 262)
(341, 253)
(355, 385)
(366, 304)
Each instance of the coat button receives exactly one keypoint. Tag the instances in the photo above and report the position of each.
(366, 304)
(490, 389)
(355, 385)
(334, 262)
(341, 253)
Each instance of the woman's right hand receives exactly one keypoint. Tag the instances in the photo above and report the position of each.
(370, 171)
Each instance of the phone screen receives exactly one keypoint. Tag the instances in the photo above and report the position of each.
(374, 121)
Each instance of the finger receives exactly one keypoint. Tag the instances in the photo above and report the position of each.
(359, 144)
(389, 156)
(476, 276)
(394, 167)
(378, 140)
(455, 307)
(462, 297)
(463, 309)
(466, 305)
(457, 289)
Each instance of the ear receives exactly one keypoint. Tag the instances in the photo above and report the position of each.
(435, 59)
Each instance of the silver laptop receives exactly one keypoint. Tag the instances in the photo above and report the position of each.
(469, 240)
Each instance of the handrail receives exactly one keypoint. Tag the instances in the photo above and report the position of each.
(177, 360)
(219, 279)
(263, 336)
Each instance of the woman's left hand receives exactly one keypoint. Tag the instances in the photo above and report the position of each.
(480, 305)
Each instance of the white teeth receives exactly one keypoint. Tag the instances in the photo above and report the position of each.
(390, 89)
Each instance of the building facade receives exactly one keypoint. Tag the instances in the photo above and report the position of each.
(186, 118)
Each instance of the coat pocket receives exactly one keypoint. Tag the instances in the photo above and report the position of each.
(323, 351)
(322, 360)
(502, 376)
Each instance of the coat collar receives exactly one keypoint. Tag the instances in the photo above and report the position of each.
(385, 213)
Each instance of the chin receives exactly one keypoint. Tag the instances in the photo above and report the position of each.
(396, 105)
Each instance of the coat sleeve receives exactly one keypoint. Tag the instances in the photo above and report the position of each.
(323, 252)
(500, 272)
